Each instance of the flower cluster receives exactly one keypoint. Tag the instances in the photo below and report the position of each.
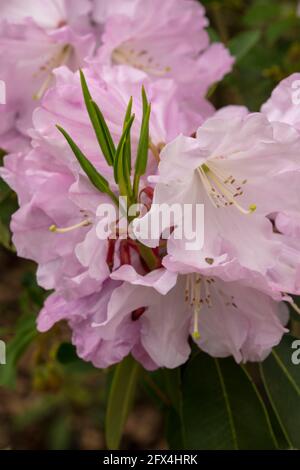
(108, 99)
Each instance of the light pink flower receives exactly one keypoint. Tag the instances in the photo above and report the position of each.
(52, 14)
(242, 170)
(31, 47)
(225, 318)
(284, 103)
(53, 190)
(171, 44)
(284, 106)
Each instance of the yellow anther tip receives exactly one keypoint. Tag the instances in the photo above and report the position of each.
(196, 335)
(52, 228)
(252, 207)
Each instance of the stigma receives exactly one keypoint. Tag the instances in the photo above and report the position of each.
(223, 190)
(83, 223)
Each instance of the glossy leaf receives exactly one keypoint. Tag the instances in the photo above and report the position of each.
(282, 381)
(222, 408)
(120, 400)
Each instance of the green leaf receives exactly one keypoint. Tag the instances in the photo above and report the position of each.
(108, 145)
(26, 332)
(100, 127)
(142, 151)
(128, 141)
(121, 173)
(282, 382)
(94, 176)
(241, 44)
(174, 430)
(222, 408)
(120, 400)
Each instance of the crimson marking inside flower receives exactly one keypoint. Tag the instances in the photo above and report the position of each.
(222, 190)
(55, 61)
(139, 59)
(136, 314)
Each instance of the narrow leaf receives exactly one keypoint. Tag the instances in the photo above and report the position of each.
(121, 397)
(106, 133)
(94, 176)
(101, 130)
(128, 141)
(142, 151)
(121, 173)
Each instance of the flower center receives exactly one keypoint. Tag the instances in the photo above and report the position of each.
(47, 68)
(197, 294)
(223, 190)
(139, 59)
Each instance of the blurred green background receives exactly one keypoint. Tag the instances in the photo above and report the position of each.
(49, 399)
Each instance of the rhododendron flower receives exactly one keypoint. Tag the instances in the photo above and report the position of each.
(172, 43)
(54, 191)
(49, 15)
(283, 105)
(31, 47)
(162, 309)
(242, 169)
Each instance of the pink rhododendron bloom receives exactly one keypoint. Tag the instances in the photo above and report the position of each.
(283, 105)
(241, 169)
(31, 47)
(49, 15)
(225, 318)
(172, 43)
(54, 191)
(103, 9)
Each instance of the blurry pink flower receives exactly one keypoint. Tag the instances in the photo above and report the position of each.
(32, 47)
(241, 169)
(172, 44)
(52, 14)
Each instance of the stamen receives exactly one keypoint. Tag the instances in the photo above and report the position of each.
(55, 229)
(56, 61)
(138, 59)
(222, 189)
(196, 296)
